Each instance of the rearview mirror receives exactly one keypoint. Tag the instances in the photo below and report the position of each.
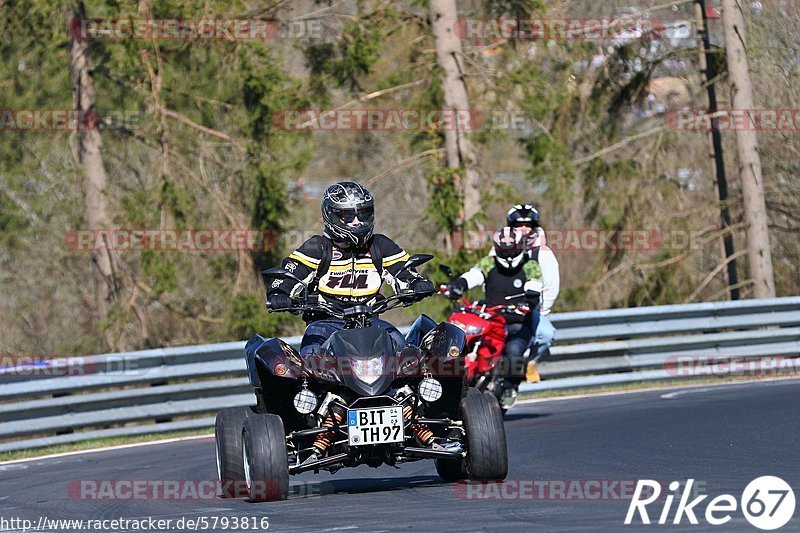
(446, 270)
(279, 273)
(416, 260)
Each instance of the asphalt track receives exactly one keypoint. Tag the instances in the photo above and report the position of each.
(723, 436)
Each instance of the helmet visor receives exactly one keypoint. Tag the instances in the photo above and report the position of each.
(509, 253)
(365, 215)
(523, 224)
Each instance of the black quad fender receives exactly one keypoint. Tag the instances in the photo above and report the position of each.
(443, 355)
(443, 347)
(274, 369)
(273, 356)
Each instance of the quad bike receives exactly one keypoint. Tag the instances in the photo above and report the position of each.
(362, 400)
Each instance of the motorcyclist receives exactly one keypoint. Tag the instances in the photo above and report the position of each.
(516, 274)
(346, 266)
(525, 217)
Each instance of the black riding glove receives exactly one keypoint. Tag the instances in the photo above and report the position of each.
(532, 298)
(278, 300)
(423, 287)
(419, 289)
(457, 287)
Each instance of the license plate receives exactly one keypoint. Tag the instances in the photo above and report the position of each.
(379, 425)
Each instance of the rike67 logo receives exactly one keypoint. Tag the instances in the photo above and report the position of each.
(767, 503)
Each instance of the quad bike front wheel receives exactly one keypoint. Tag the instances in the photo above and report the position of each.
(487, 454)
(265, 462)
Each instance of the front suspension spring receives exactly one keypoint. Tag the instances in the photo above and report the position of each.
(323, 440)
(422, 432)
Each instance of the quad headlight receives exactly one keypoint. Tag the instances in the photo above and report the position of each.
(430, 389)
(305, 401)
(367, 370)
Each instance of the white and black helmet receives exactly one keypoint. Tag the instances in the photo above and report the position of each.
(343, 203)
(523, 214)
(509, 247)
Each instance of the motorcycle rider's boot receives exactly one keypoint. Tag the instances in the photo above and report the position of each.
(508, 394)
(508, 397)
(531, 374)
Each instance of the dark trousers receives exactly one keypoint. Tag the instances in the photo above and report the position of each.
(520, 337)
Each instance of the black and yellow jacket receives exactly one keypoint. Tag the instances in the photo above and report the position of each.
(352, 277)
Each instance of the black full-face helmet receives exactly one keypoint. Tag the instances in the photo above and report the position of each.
(523, 215)
(509, 247)
(348, 212)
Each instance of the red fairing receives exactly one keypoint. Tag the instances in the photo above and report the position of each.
(490, 340)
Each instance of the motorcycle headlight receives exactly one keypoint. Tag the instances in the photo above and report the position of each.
(473, 330)
(430, 389)
(367, 370)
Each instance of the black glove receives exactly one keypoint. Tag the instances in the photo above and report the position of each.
(532, 298)
(457, 287)
(423, 287)
(278, 300)
(419, 289)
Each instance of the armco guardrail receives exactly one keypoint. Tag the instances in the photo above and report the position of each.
(156, 391)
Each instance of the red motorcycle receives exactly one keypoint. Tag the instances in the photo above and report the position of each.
(485, 328)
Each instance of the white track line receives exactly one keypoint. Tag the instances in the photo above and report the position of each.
(656, 389)
(107, 448)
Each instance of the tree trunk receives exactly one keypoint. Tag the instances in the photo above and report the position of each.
(458, 148)
(755, 209)
(89, 154)
(708, 72)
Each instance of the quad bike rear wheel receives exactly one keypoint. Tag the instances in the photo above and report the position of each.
(228, 437)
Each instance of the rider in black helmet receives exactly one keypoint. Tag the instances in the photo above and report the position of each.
(525, 218)
(346, 265)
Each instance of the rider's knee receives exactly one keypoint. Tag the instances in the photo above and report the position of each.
(545, 333)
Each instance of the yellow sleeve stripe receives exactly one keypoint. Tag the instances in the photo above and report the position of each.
(389, 261)
(310, 262)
